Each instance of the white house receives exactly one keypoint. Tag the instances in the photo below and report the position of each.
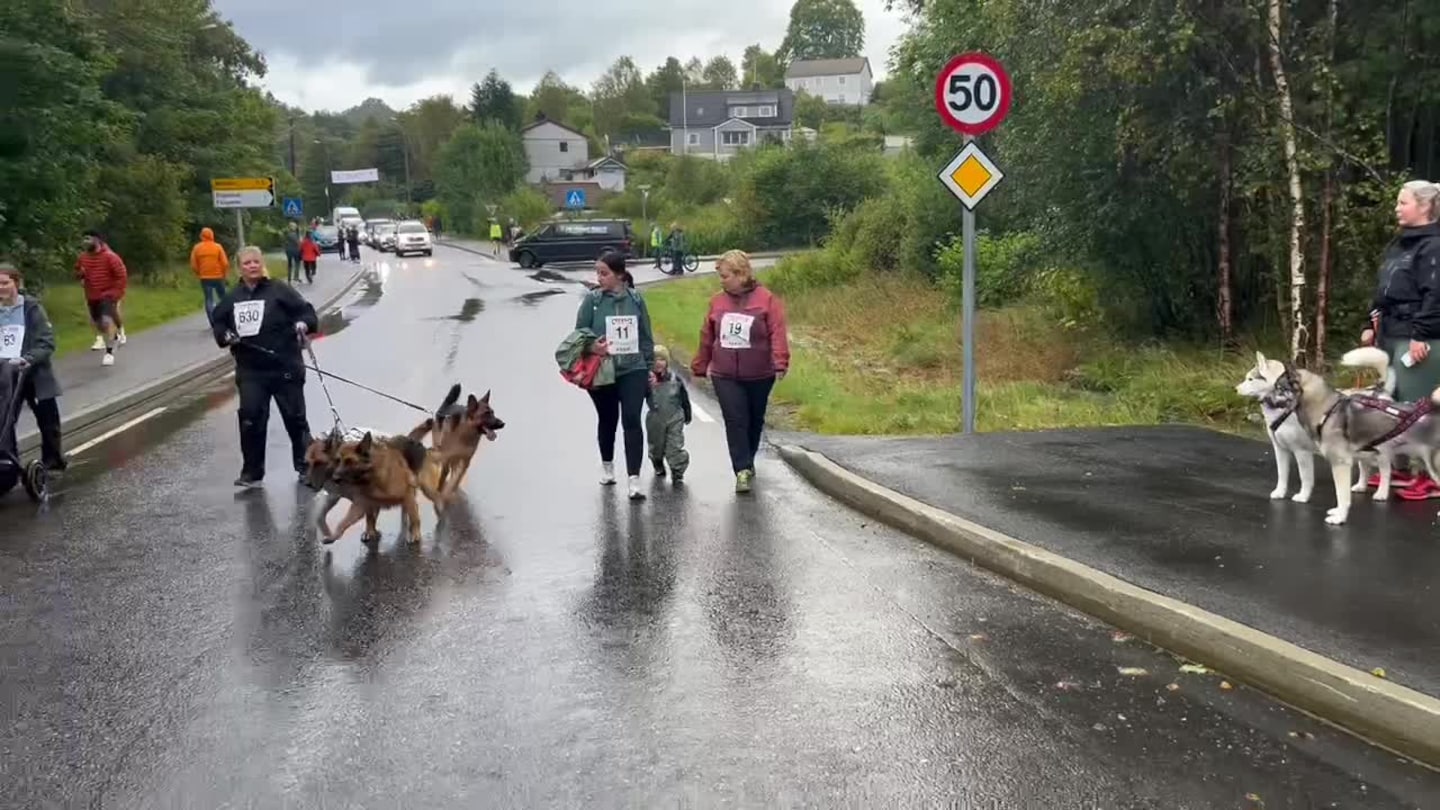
(607, 172)
(553, 149)
(838, 81)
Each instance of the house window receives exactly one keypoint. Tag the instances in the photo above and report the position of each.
(765, 111)
(692, 138)
(564, 146)
(841, 79)
(740, 138)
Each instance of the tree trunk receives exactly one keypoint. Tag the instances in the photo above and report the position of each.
(1226, 310)
(1322, 281)
(1297, 196)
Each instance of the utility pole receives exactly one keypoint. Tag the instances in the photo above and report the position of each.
(292, 147)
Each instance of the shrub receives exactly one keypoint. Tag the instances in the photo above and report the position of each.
(813, 270)
(715, 229)
(790, 193)
(1005, 266)
(526, 205)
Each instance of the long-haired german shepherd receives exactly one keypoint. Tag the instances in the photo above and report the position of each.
(458, 432)
(374, 474)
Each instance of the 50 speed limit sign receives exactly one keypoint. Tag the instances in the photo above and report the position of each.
(972, 93)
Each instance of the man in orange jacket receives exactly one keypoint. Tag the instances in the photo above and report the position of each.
(210, 264)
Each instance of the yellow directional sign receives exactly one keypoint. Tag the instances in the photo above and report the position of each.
(971, 175)
(243, 184)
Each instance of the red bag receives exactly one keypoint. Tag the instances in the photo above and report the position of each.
(583, 372)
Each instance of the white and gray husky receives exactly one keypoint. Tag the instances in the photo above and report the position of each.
(1297, 405)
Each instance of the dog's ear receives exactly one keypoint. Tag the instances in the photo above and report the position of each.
(366, 444)
(486, 399)
(1259, 359)
(332, 441)
(472, 404)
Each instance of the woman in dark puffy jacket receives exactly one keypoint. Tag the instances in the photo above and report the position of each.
(744, 350)
(1405, 311)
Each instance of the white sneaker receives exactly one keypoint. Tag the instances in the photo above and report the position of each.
(109, 359)
(122, 337)
(99, 344)
(607, 474)
(635, 493)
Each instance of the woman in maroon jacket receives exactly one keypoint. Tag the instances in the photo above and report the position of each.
(744, 350)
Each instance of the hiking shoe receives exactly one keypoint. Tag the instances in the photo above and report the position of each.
(56, 465)
(1397, 479)
(1423, 488)
(607, 473)
(743, 479)
(246, 482)
(98, 345)
(659, 469)
(635, 493)
(108, 360)
(678, 478)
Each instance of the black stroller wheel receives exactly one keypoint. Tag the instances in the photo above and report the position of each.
(37, 482)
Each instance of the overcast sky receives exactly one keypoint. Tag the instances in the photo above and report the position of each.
(333, 56)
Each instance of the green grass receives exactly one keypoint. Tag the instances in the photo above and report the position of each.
(882, 355)
(170, 295)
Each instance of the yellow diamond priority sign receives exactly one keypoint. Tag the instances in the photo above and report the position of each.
(971, 175)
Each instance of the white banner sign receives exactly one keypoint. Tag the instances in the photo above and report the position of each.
(355, 176)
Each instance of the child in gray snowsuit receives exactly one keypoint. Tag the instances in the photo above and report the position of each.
(669, 413)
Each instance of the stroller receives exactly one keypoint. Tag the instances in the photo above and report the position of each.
(33, 475)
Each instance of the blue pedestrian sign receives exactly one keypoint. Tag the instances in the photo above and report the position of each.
(293, 208)
(575, 198)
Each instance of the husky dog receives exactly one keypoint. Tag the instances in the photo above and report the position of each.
(1278, 390)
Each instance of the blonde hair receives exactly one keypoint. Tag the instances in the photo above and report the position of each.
(739, 263)
(251, 250)
(1427, 194)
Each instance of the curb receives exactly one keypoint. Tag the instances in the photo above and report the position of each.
(88, 423)
(768, 254)
(1383, 713)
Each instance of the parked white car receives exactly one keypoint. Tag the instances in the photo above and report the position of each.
(411, 236)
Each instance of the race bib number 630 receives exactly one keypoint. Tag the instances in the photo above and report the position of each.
(248, 317)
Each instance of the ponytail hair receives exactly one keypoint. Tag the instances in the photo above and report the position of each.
(1427, 194)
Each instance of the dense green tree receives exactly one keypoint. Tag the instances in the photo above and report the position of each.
(823, 29)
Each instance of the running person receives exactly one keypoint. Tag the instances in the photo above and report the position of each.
(617, 313)
(264, 323)
(309, 256)
(745, 350)
(104, 278)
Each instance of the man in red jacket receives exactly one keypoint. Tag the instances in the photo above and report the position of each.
(104, 277)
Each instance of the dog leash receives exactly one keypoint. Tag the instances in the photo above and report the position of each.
(310, 349)
(338, 378)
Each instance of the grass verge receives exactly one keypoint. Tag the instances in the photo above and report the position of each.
(882, 355)
(155, 302)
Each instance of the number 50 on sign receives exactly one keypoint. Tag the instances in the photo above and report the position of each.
(972, 93)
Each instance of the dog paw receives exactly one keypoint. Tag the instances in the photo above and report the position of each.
(1335, 517)
(370, 537)
(327, 539)
(1360, 487)
(1277, 494)
(1381, 495)
(1301, 497)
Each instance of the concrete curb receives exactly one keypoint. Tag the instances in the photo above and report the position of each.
(88, 423)
(769, 254)
(1386, 714)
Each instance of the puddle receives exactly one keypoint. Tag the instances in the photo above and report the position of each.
(552, 276)
(531, 299)
(477, 282)
(468, 310)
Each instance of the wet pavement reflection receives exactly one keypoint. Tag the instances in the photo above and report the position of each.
(169, 642)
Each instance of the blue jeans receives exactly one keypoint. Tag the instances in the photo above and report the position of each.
(213, 290)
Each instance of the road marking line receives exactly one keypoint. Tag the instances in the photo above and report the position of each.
(117, 431)
(700, 414)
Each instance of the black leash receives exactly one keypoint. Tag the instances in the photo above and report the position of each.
(316, 368)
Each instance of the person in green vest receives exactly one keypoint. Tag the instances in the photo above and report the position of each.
(657, 243)
(495, 236)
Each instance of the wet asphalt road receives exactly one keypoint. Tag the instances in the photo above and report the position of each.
(169, 642)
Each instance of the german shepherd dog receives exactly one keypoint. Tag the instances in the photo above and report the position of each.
(374, 474)
(458, 432)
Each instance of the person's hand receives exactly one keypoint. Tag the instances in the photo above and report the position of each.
(1367, 337)
(1419, 350)
(19, 362)
(601, 348)
(230, 338)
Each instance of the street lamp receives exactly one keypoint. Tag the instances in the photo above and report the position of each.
(644, 202)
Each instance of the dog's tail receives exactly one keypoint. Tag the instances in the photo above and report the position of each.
(421, 430)
(1375, 359)
(450, 398)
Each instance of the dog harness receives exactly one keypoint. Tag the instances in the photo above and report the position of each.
(1406, 416)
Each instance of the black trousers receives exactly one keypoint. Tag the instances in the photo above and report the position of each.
(742, 407)
(257, 388)
(47, 420)
(620, 404)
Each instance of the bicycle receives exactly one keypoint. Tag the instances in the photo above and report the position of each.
(689, 262)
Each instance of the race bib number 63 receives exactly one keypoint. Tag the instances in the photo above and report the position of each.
(11, 339)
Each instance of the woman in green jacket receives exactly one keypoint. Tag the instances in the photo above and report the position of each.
(616, 312)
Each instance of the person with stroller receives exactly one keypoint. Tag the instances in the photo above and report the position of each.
(27, 342)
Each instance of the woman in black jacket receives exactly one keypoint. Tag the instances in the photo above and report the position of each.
(27, 340)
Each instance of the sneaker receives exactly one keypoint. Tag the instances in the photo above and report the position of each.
(607, 473)
(659, 469)
(1424, 488)
(742, 480)
(109, 359)
(246, 482)
(99, 344)
(635, 493)
(56, 465)
(678, 478)
(1399, 480)
(121, 337)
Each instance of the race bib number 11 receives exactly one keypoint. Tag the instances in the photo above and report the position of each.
(622, 332)
(248, 317)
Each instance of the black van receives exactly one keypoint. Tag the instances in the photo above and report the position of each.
(573, 240)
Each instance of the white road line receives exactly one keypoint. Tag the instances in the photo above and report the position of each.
(700, 413)
(117, 431)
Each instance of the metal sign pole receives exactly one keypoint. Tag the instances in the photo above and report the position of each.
(967, 314)
(240, 227)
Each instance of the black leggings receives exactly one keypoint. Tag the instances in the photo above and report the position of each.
(742, 407)
(620, 404)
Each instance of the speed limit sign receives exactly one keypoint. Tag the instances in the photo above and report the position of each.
(972, 93)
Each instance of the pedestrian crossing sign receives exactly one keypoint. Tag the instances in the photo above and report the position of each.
(293, 208)
(575, 198)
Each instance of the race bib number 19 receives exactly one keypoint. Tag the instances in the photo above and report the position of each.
(12, 339)
(248, 317)
(622, 332)
(735, 330)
